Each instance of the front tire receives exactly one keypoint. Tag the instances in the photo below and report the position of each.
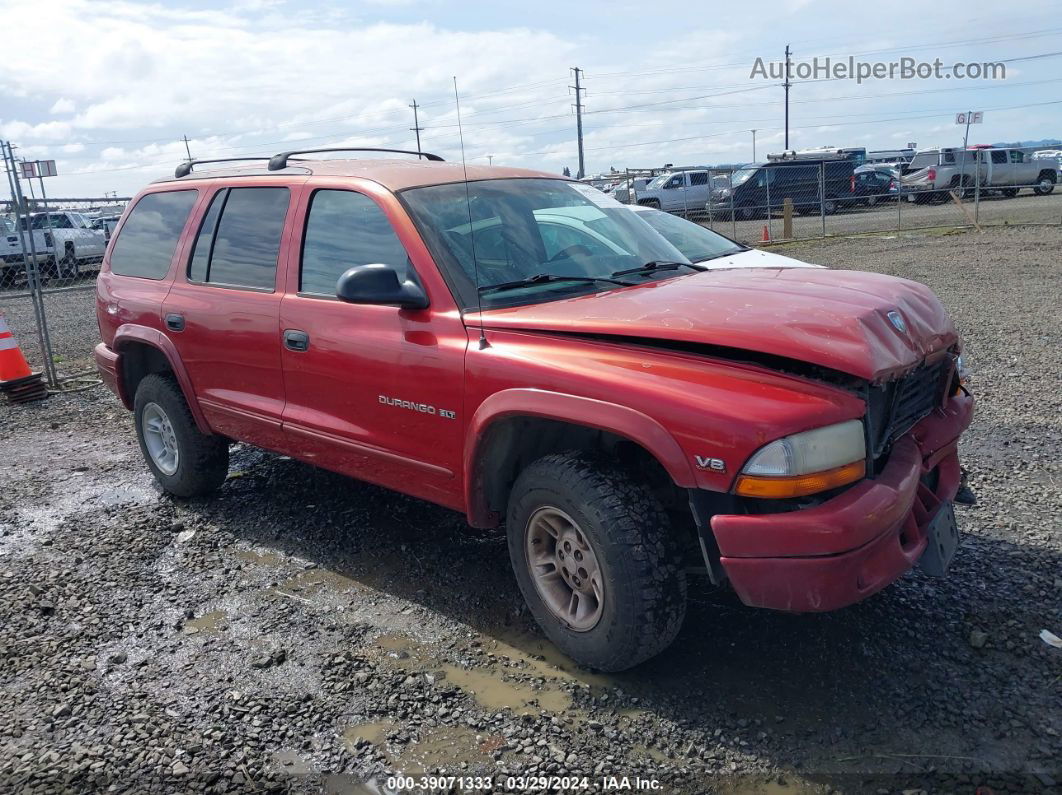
(185, 462)
(596, 561)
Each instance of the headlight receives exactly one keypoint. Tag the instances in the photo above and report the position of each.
(806, 463)
(962, 367)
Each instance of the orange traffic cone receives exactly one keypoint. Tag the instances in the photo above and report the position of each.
(17, 381)
(766, 238)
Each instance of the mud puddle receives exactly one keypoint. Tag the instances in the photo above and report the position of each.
(375, 733)
(439, 747)
(527, 675)
(210, 623)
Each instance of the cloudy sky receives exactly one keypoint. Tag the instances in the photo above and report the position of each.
(108, 89)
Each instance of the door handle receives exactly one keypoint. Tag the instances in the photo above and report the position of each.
(175, 322)
(295, 340)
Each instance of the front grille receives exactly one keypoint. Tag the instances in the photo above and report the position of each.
(894, 408)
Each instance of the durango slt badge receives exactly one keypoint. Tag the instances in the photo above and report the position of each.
(423, 408)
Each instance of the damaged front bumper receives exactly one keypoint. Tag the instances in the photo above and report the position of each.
(853, 545)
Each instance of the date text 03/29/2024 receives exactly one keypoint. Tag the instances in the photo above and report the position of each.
(401, 784)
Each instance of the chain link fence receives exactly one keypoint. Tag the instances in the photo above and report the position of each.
(50, 253)
(781, 200)
(51, 250)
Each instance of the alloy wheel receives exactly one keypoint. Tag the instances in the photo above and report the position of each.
(564, 568)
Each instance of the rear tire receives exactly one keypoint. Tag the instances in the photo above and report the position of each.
(634, 583)
(1045, 185)
(68, 267)
(185, 462)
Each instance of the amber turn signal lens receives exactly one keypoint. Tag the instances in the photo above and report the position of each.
(778, 487)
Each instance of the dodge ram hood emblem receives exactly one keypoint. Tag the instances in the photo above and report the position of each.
(898, 322)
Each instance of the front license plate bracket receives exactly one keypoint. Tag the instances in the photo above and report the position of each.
(942, 535)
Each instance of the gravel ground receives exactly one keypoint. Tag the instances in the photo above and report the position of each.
(303, 631)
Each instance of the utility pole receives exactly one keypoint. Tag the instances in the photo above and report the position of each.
(579, 120)
(490, 160)
(187, 151)
(787, 83)
(416, 124)
(753, 145)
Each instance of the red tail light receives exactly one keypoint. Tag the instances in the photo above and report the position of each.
(851, 188)
(931, 174)
(892, 184)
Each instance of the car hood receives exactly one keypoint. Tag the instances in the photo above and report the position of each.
(842, 320)
(755, 258)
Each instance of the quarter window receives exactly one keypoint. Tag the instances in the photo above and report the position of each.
(344, 229)
(150, 234)
(239, 241)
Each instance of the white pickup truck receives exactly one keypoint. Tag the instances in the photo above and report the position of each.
(934, 172)
(64, 242)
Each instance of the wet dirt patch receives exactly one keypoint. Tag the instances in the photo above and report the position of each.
(211, 623)
(353, 737)
(495, 691)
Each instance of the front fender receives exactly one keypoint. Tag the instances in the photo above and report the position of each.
(611, 417)
(129, 333)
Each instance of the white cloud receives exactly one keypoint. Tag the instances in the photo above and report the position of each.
(251, 78)
(63, 105)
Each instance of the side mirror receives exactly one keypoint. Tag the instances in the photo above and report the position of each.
(379, 284)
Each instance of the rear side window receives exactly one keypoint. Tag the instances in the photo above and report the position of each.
(344, 229)
(699, 178)
(149, 237)
(239, 240)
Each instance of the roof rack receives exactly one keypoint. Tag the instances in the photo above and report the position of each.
(185, 168)
(280, 161)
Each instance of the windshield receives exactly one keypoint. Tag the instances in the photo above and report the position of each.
(658, 181)
(533, 228)
(6, 225)
(693, 240)
(742, 175)
(924, 160)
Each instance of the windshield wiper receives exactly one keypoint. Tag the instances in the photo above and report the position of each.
(542, 278)
(658, 265)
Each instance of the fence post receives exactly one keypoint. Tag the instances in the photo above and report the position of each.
(900, 199)
(770, 226)
(733, 215)
(977, 188)
(30, 260)
(787, 218)
(822, 196)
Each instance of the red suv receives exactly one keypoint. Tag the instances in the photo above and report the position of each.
(524, 349)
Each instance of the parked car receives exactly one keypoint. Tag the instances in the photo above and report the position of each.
(622, 191)
(105, 224)
(620, 410)
(702, 246)
(933, 173)
(760, 189)
(65, 243)
(677, 192)
(875, 183)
